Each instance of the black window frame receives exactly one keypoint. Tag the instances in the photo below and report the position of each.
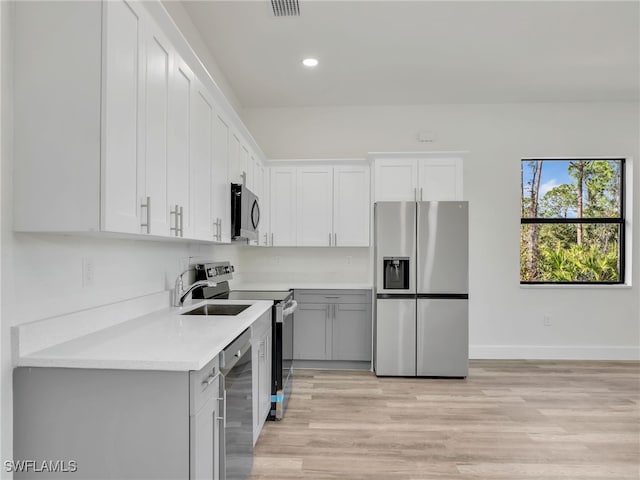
(620, 221)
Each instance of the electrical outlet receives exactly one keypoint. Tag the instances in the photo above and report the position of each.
(277, 259)
(547, 320)
(88, 273)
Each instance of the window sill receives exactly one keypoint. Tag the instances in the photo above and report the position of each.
(622, 286)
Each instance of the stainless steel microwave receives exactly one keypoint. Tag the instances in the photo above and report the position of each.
(245, 213)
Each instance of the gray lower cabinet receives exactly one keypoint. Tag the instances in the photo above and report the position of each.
(118, 424)
(351, 333)
(311, 332)
(332, 325)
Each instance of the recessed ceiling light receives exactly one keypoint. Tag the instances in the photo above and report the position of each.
(310, 62)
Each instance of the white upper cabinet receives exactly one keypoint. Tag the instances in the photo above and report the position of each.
(235, 172)
(396, 180)
(220, 183)
(123, 171)
(283, 206)
(265, 209)
(327, 205)
(425, 177)
(180, 100)
(245, 165)
(158, 66)
(351, 206)
(203, 117)
(314, 206)
(440, 179)
(124, 135)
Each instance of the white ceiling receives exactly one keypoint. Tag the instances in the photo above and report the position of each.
(419, 52)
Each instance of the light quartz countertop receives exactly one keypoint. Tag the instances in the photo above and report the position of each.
(299, 285)
(161, 340)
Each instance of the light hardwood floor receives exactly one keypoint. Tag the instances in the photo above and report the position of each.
(508, 420)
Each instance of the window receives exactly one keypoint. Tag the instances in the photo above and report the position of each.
(572, 223)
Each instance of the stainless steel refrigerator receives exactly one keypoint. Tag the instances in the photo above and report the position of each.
(422, 301)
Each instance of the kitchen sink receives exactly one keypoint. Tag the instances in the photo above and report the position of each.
(217, 309)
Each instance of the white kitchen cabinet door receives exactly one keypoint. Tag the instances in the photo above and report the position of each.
(440, 179)
(179, 166)
(235, 172)
(251, 173)
(245, 165)
(283, 206)
(201, 165)
(122, 166)
(156, 77)
(220, 183)
(314, 206)
(351, 206)
(396, 180)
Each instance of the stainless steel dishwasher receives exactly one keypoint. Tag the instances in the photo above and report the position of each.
(235, 365)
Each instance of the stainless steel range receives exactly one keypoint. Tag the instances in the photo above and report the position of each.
(282, 326)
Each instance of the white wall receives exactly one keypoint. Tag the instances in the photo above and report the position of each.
(190, 32)
(506, 320)
(305, 264)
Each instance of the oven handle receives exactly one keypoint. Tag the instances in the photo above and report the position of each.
(289, 308)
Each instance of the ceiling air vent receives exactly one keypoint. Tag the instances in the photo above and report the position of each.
(285, 8)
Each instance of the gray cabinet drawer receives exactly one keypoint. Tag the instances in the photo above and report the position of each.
(203, 385)
(332, 296)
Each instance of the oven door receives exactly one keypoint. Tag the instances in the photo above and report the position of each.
(282, 357)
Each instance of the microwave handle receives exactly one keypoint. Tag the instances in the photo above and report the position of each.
(255, 209)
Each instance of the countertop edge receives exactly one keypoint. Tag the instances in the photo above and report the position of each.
(42, 359)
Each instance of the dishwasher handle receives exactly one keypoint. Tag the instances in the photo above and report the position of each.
(232, 354)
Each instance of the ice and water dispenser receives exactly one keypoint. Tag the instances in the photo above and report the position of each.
(396, 273)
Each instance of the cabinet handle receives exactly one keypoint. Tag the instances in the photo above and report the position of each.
(176, 214)
(181, 222)
(420, 193)
(329, 239)
(266, 239)
(415, 194)
(210, 379)
(272, 239)
(331, 297)
(335, 239)
(218, 234)
(147, 206)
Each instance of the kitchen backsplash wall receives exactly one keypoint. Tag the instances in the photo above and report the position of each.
(303, 264)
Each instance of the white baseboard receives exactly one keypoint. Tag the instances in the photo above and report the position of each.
(543, 352)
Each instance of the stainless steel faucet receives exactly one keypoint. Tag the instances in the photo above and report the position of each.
(179, 292)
